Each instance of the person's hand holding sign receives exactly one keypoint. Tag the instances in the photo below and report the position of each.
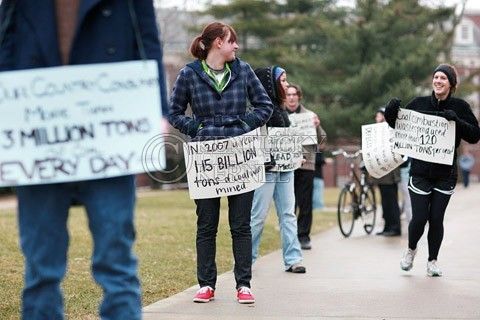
(450, 115)
(391, 111)
(392, 108)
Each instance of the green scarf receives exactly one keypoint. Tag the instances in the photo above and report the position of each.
(219, 85)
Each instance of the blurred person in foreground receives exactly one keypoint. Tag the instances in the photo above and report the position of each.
(40, 34)
(432, 184)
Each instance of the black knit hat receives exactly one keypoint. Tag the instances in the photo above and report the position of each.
(449, 72)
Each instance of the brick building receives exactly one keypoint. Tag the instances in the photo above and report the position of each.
(466, 57)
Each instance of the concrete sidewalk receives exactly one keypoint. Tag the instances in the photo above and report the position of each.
(356, 278)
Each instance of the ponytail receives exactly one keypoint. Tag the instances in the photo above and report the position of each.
(198, 48)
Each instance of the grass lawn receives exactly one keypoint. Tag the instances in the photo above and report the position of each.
(165, 222)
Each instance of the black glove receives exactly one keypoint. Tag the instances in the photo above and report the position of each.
(270, 164)
(450, 115)
(393, 106)
(193, 128)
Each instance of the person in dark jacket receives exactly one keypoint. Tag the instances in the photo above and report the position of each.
(431, 184)
(305, 174)
(388, 186)
(279, 185)
(218, 86)
(41, 34)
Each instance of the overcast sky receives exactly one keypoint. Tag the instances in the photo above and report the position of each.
(196, 4)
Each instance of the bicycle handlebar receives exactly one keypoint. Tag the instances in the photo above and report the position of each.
(346, 154)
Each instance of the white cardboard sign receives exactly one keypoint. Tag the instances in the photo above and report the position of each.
(224, 167)
(285, 149)
(425, 137)
(303, 127)
(74, 123)
(377, 153)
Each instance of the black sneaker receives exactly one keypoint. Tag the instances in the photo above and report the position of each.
(391, 233)
(296, 268)
(305, 245)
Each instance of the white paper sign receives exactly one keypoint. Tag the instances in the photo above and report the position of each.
(425, 137)
(286, 149)
(377, 153)
(224, 167)
(265, 142)
(303, 127)
(74, 123)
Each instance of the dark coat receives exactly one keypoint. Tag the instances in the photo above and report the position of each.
(465, 129)
(218, 114)
(104, 33)
(319, 163)
(279, 116)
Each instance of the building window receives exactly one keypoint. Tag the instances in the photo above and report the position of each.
(465, 32)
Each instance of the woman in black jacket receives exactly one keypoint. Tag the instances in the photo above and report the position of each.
(431, 184)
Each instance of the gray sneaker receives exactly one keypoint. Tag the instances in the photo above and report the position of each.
(407, 260)
(306, 245)
(433, 270)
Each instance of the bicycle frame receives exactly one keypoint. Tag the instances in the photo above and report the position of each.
(362, 203)
(353, 179)
(354, 182)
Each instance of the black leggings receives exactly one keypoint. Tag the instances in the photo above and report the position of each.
(429, 208)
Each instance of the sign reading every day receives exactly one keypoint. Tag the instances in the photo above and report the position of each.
(285, 148)
(377, 153)
(224, 167)
(74, 123)
(424, 137)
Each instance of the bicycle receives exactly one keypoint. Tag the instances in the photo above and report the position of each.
(356, 199)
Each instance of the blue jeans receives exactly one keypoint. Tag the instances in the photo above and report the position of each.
(43, 214)
(279, 186)
(318, 189)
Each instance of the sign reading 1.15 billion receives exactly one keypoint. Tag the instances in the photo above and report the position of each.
(76, 123)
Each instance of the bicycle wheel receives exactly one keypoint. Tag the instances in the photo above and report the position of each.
(369, 209)
(346, 212)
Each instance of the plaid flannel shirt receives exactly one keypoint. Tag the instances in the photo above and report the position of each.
(218, 114)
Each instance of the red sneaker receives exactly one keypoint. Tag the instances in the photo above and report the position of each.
(204, 294)
(245, 296)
